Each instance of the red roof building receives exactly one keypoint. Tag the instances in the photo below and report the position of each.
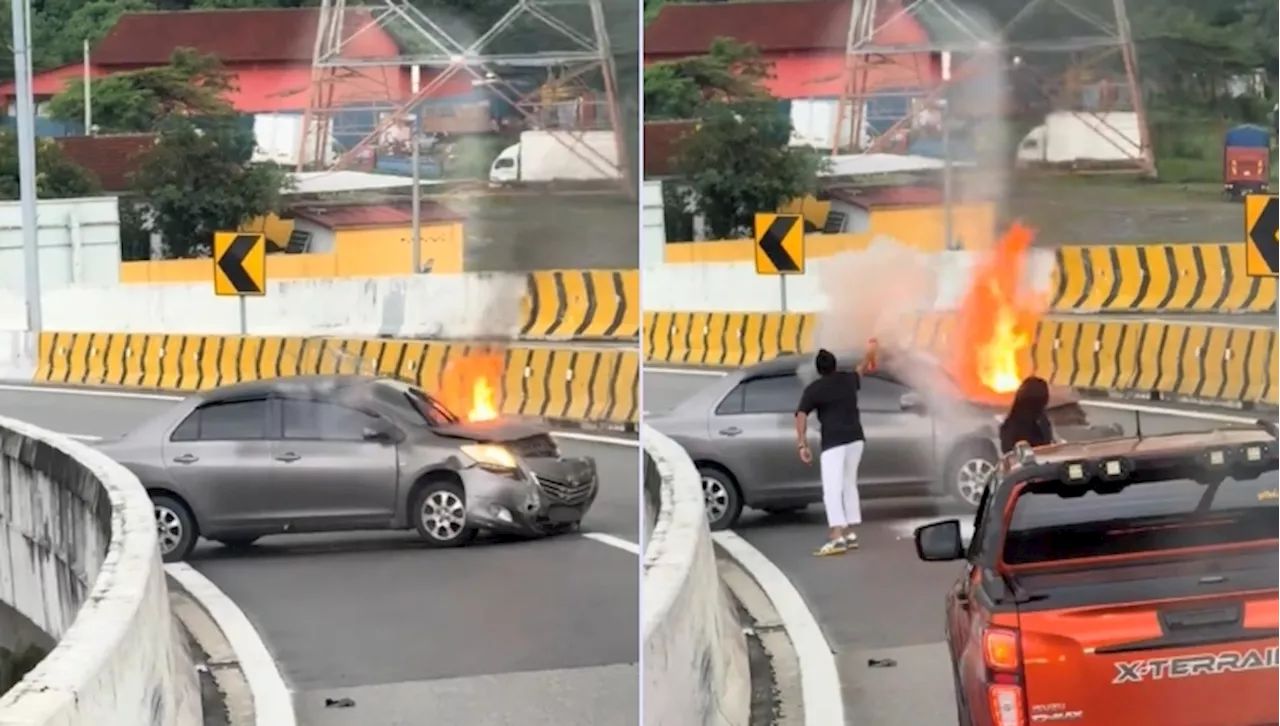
(112, 159)
(804, 40)
(268, 50)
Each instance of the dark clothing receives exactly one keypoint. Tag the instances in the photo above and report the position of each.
(835, 398)
(1036, 432)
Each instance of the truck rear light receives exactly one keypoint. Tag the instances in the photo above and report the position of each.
(1006, 705)
(1000, 649)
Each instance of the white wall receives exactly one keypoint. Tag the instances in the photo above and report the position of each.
(79, 243)
(735, 286)
(477, 305)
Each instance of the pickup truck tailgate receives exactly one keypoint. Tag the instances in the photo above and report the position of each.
(1207, 662)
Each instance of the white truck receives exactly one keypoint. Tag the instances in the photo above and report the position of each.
(278, 137)
(546, 156)
(1082, 139)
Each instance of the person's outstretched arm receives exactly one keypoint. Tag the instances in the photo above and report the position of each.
(803, 410)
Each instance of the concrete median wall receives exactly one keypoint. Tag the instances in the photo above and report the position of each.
(695, 654)
(78, 558)
(544, 305)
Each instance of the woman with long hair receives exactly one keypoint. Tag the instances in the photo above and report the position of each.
(1027, 419)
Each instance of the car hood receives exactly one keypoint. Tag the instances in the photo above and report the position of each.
(1000, 402)
(496, 431)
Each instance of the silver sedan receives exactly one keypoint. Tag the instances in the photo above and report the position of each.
(344, 453)
(923, 434)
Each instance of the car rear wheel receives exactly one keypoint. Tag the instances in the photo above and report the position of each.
(721, 497)
(175, 528)
(968, 471)
(440, 515)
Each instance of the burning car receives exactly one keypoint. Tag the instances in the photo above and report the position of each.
(924, 433)
(346, 453)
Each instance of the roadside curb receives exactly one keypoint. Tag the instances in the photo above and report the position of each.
(224, 690)
(817, 679)
(776, 698)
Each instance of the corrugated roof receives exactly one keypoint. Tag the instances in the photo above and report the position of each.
(774, 26)
(345, 180)
(660, 139)
(251, 35)
(348, 216)
(112, 159)
(887, 197)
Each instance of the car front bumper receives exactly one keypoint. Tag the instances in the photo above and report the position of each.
(543, 497)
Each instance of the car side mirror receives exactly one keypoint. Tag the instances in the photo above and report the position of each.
(940, 541)
(912, 402)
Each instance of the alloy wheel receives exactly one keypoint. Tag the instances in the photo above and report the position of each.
(972, 478)
(443, 515)
(168, 529)
(715, 497)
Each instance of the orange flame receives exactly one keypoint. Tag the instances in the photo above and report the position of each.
(996, 323)
(470, 385)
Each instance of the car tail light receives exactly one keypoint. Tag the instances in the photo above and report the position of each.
(1006, 705)
(1000, 650)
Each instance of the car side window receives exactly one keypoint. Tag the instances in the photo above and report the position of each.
(773, 394)
(225, 421)
(732, 403)
(319, 421)
(880, 395)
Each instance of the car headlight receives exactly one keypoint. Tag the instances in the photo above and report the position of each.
(491, 456)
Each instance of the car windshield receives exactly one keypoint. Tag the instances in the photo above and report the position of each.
(432, 411)
(1163, 511)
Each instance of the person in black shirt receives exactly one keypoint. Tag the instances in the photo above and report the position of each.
(1027, 420)
(834, 396)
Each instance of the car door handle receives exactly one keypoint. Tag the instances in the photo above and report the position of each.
(731, 431)
(186, 459)
(288, 457)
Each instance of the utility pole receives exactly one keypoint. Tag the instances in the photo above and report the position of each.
(416, 159)
(27, 161)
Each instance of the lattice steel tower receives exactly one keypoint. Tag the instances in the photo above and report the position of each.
(580, 68)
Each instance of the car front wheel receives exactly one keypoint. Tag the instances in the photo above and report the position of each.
(175, 528)
(969, 469)
(440, 515)
(721, 497)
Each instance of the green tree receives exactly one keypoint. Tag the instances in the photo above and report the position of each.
(198, 180)
(739, 162)
(58, 178)
(139, 101)
(730, 71)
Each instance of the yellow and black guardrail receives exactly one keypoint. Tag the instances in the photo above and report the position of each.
(1160, 359)
(598, 387)
(1159, 278)
(582, 305)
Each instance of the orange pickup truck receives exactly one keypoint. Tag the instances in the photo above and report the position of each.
(1120, 582)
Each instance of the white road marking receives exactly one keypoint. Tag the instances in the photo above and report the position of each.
(620, 543)
(819, 679)
(684, 371)
(96, 392)
(272, 700)
(83, 437)
(596, 438)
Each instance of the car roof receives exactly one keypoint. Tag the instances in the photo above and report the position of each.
(790, 362)
(1175, 443)
(292, 386)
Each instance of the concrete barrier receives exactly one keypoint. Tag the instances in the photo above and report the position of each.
(544, 305)
(78, 558)
(695, 654)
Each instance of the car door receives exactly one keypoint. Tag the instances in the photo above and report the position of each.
(328, 475)
(220, 459)
(961, 602)
(754, 427)
(899, 444)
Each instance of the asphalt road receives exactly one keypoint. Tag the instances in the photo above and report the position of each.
(531, 633)
(879, 602)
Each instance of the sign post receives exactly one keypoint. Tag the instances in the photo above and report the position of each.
(1262, 249)
(779, 247)
(240, 269)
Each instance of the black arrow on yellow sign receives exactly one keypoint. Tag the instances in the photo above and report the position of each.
(240, 262)
(779, 244)
(1261, 220)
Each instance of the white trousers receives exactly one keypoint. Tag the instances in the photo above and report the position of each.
(840, 484)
